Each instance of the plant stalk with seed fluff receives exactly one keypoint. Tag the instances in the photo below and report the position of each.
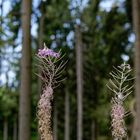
(50, 74)
(119, 85)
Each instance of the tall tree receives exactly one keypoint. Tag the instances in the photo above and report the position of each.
(15, 128)
(55, 121)
(136, 24)
(41, 35)
(5, 129)
(79, 74)
(5, 122)
(1, 9)
(42, 7)
(67, 115)
(90, 65)
(25, 88)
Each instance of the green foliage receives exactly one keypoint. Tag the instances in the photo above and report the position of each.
(8, 101)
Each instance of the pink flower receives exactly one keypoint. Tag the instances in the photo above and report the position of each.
(47, 52)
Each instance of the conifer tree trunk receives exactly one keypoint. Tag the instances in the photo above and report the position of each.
(15, 130)
(79, 74)
(25, 87)
(1, 22)
(93, 135)
(5, 129)
(136, 25)
(41, 25)
(67, 116)
(40, 44)
(55, 122)
(40, 38)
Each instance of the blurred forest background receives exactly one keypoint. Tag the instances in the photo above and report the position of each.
(95, 35)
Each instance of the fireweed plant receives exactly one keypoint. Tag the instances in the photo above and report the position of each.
(50, 73)
(119, 84)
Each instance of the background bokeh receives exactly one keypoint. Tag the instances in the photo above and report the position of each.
(102, 28)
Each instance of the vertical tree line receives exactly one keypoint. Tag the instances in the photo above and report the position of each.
(67, 115)
(79, 74)
(25, 88)
(136, 26)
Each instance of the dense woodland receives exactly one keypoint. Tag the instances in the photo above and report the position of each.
(94, 35)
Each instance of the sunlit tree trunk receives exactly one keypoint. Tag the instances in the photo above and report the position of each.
(5, 129)
(136, 25)
(25, 87)
(67, 116)
(79, 74)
